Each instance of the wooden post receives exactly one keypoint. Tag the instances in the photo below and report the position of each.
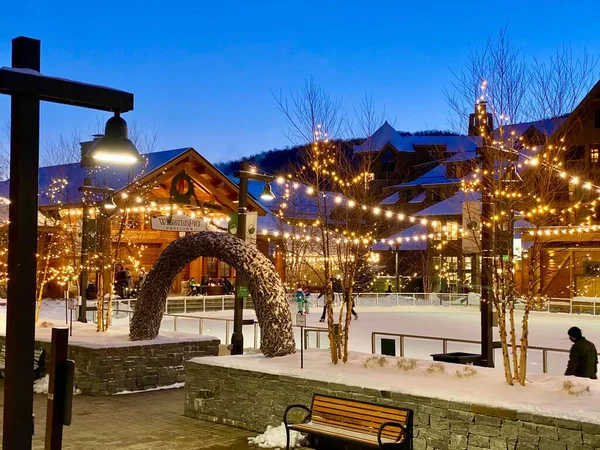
(57, 388)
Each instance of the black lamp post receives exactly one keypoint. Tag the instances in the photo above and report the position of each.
(396, 251)
(27, 87)
(237, 339)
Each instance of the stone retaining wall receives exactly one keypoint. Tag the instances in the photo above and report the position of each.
(253, 400)
(106, 371)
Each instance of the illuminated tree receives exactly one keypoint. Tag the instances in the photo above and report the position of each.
(527, 183)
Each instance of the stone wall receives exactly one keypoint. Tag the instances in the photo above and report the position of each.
(106, 371)
(253, 400)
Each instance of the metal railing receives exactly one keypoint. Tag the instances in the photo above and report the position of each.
(177, 318)
(387, 299)
(445, 341)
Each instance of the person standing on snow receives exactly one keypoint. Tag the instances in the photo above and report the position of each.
(583, 357)
(300, 299)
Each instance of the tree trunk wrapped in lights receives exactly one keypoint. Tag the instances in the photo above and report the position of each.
(264, 284)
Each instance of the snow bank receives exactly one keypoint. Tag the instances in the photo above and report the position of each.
(41, 386)
(274, 437)
(159, 388)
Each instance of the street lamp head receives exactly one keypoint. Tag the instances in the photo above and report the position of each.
(267, 193)
(109, 204)
(115, 147)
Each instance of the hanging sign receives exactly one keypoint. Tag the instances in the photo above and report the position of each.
(181, 223)
(251, 225)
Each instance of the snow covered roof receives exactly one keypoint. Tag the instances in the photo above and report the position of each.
(391, 200)
(435, 176)
(114, 177)
(462, 156)
(451, 206)
(42, 220)
(419, 198)
(386, 134)
(547, 127)
(415, 231)
(452, 144)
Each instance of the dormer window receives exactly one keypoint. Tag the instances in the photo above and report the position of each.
(388, 161)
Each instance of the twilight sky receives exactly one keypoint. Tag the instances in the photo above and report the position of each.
(202, 72)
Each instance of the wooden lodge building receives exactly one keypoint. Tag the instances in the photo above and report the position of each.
(169, 194)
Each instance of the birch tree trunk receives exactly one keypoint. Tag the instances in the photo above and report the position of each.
(524, 345)
(504, 343)
(42, 282)
(513, 341)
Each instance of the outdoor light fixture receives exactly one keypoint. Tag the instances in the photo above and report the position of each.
(109, 204)
(115, 147)
(267, 193)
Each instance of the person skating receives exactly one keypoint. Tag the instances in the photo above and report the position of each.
(306, 300)
(300, 299)
(583, 357)
(347, 300)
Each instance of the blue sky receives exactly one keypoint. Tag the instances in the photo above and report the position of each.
(202, 72)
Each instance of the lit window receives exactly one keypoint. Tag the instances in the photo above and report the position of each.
(595, 155)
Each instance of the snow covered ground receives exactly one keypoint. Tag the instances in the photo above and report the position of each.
(546, 330)
(544, 394)
(52, 314)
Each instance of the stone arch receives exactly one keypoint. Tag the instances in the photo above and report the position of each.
(264, 284)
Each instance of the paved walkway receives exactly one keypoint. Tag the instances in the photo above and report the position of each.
(152, 420)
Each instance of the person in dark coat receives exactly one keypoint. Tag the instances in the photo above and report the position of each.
(583, 357)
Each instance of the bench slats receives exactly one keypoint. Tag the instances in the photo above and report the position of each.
(391, 431)
(327, 430)
(340, 401)
(358, 424)
(400, 416)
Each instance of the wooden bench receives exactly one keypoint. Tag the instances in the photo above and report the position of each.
(363, 423)
(39, 362)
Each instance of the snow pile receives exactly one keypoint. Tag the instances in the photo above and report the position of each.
(41, 386)
(159, 388)
(275, 437)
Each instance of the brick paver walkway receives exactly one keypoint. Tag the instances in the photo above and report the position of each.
(152, 420)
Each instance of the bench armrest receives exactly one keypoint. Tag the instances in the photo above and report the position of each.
(289, 408)
(389, 424)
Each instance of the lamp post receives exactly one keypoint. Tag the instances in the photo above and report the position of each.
(108, 205)
(396, 251)
(27, 87)
(487, 239)
(237, 339)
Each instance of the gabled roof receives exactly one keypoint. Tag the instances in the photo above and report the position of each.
(117, 177)
(451, 206)
(114, 177)
(391, 200)
(462, 156)
(452, 144)
(419, 198)
(576, 114)
(387, 135)
(435, 176)
(409, 239)
(546, 127)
